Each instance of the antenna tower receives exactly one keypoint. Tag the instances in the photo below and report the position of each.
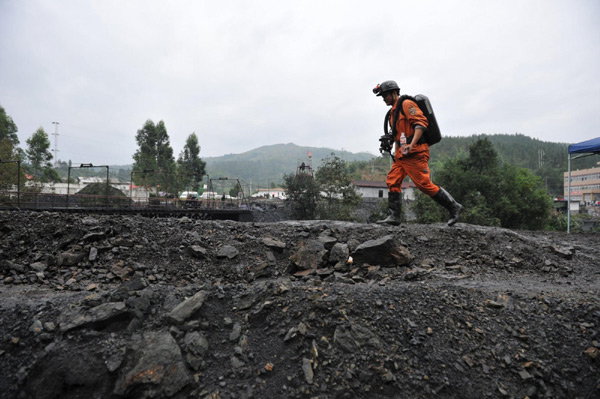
(55, 134)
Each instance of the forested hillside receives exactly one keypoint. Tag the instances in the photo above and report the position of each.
(267, 165)
(516, 149)
(547, 160)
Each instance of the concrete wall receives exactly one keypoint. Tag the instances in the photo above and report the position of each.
(372, 192)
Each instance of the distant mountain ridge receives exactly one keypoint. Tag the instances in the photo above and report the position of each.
(270, 163)
(266, 165)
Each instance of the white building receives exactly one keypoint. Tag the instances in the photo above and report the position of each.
(270, 193)
(379, 189)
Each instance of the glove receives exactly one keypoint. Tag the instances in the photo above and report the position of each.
(385, 143)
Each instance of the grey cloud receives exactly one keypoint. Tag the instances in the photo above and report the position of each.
(245, 74)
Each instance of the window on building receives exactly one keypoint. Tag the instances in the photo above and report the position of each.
(380, 193)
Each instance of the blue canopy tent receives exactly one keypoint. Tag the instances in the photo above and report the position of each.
(583, 149)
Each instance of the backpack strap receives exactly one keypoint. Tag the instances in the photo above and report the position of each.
(386, 122)
(401, 99)
(399, 109)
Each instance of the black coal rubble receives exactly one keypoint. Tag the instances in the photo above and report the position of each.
(172, 308)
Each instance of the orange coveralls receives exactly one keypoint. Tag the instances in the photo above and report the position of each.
(416, 163)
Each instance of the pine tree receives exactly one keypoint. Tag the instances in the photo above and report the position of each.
(341, 198)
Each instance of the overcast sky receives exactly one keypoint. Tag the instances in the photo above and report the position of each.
(243, 74)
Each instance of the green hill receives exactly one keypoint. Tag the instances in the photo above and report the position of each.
(267, 164)
(546, 159)
(516, 149)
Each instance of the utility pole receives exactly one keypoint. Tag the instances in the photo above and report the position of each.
(372, 169)
(55, 134)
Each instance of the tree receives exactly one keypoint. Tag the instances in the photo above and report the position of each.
(235, 190)
(426, 210)
(474, 187)
(165, 160)
(341, 199)
(156, 155)
(330, 195)
(9, 152)
(482, 157)
(144, 158)
(49, 174)
(9, 173)
(302, 195)
(8, 129)
(39, 155)
(494, 194)
(190, 168)
(525, 203)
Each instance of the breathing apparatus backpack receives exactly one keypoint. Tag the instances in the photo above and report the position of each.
(432, 134)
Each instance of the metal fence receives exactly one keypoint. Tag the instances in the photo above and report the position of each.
(48, 201)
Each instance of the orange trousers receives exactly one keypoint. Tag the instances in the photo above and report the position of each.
(416, 166)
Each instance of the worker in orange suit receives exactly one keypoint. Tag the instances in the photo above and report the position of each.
(411, 159)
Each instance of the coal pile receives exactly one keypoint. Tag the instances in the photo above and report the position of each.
(129, 307)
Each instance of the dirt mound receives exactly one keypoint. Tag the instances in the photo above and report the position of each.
(129, 307)
(101, 189)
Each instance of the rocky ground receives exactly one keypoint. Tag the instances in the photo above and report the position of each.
(129, 307)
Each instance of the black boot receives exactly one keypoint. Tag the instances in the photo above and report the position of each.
(394, 209)
(443, 198)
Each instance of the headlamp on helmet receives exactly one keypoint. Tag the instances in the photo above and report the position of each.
(385, 86)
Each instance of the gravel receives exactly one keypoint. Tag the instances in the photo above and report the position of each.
(128, 307)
